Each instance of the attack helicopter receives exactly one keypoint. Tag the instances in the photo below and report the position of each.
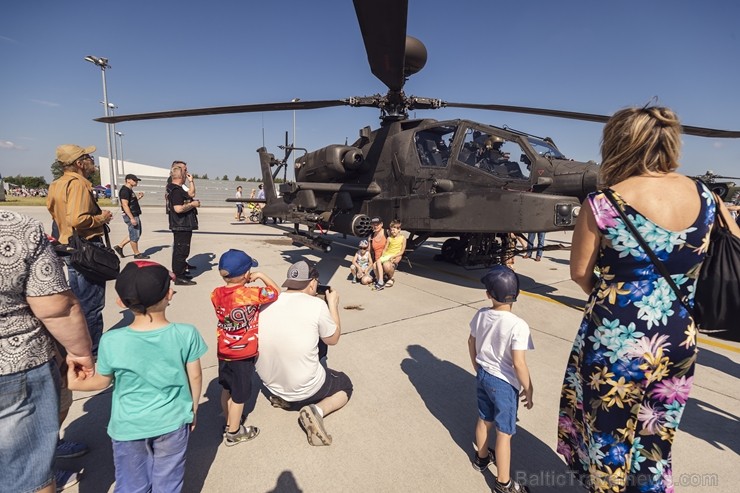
(724, 189)
(471, 182)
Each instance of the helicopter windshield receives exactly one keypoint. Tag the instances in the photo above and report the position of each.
(544, 148)
(493, 154)
(433, 145)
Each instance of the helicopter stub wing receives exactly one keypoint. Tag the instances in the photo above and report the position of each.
(589, 117)
(224, 110)
(383, 26)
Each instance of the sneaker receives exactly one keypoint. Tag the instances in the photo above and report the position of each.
(119, 251)
(65, 479)
(141, 256)
(184, 281)
(389, 283)
(313, 425)
(378, 287)
(67, 449)
(279, 402)
(244, 434)
(354, 280)
(482, 464)
(511, 487)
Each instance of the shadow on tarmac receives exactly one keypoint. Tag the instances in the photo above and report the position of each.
(286, 483)
(449, 393)
(715, 426)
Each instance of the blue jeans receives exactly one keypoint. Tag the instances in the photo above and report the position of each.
(134, 232)
(540, 243)
(29, 427)
(92, 299)
(155, 465)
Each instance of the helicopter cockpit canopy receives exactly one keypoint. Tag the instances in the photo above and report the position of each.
(544, 148)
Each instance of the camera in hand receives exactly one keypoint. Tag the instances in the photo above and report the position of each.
(321, 289)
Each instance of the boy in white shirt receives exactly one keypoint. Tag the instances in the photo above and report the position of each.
(497, 342)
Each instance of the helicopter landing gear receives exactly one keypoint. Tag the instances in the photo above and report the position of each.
(477, 249)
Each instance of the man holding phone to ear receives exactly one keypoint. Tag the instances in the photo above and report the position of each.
(182, 208)
(291, 329)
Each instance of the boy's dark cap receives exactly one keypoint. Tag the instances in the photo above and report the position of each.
(234, 263)
(300, 274)
(375, 220)
(143, 283)
(502, 284)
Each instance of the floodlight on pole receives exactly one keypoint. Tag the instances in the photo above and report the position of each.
(103, 64)
(120, 152)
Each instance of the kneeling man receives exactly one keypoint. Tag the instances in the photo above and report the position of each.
(288, 362)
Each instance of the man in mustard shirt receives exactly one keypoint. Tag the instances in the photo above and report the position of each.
(72, 206)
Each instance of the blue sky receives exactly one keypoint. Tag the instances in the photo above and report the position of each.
(594, 57)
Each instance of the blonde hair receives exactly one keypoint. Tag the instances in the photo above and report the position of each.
(176, 170)
(637, 141)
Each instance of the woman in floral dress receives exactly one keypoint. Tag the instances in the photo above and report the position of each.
(632, 364)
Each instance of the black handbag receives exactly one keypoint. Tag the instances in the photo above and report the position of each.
(717, 290)
(717, 297)
(96, 261)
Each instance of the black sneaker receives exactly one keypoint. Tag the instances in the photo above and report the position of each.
(119, 251)
(510, 487)
(482, 464)
(141, 256)
(184, 281)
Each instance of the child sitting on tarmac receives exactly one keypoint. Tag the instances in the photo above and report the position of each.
(237, 308)
(153, 411)
(386, 265)
(362, 264)
(497, 343)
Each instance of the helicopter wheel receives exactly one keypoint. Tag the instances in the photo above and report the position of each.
(450, 250)
(720, 189)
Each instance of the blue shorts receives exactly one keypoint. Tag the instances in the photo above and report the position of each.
(29, 427)
(134, 232)
(152, 464)
(498, 401)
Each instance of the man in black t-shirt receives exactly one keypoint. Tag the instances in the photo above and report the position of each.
(182, 208)
(131, 216)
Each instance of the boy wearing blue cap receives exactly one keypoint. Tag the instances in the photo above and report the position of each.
(497, 342)
(237, 308)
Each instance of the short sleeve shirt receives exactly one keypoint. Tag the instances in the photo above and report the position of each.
(133, 201)
(28, 268)
(497, 334)
(151, 391)
(237, 310)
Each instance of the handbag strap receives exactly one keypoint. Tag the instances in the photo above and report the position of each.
(646, 248)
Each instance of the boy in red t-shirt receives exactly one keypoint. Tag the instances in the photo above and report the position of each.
(237, 308)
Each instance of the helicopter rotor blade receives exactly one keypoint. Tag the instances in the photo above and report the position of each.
(383, 27)
(589, 117)
(224, 110)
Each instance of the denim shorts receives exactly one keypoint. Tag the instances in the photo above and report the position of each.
(134, 232)
(152, 464)
(29, 427)
(498, 401)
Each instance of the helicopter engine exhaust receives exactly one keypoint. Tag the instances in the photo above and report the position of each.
(357, 225)
(328, 164)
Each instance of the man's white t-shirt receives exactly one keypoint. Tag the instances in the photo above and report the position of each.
(497, 334)
(289, 332)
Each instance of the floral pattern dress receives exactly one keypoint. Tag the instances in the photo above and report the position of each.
(632, 364)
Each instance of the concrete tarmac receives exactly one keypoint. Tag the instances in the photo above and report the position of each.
(409, 425)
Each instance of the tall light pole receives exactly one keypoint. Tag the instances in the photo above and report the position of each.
(294, 100)
(103, 64)
(119, 153)
(112, 111)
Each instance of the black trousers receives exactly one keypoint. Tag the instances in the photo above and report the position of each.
(180, 251)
